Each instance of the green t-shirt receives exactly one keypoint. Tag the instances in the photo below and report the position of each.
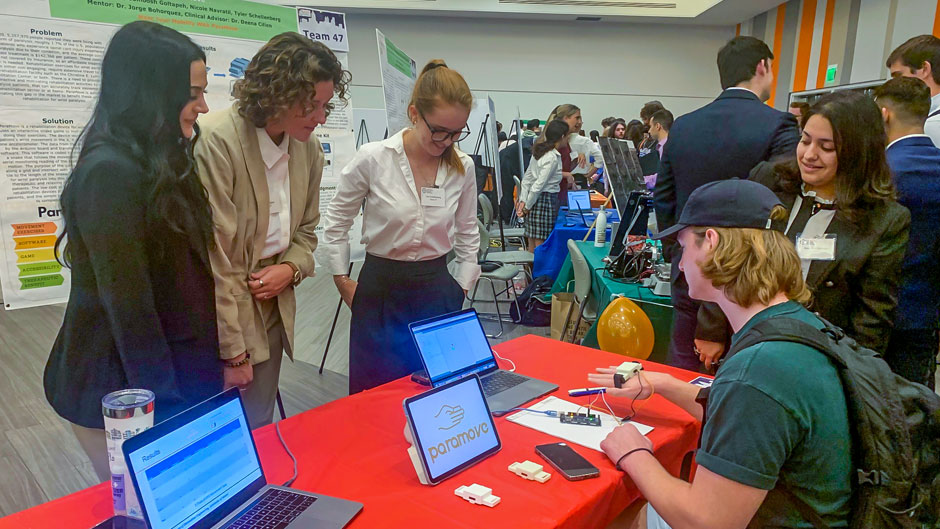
(777, 414)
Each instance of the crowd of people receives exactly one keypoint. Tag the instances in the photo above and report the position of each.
(826, 212)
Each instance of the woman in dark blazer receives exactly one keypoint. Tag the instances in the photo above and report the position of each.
(840, 185)
(141, 312)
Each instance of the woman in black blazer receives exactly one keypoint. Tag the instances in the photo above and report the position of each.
(840, 185)
(141, 312)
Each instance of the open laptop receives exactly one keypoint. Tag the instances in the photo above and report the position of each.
(579, 201)
(199, 469)
(454, 346)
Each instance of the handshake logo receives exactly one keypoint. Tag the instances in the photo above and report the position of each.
(449, 416)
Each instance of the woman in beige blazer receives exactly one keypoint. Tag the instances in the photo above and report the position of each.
(262, 167)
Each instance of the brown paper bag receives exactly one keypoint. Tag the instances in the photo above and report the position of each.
(562, 303)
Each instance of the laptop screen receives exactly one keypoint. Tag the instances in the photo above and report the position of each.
(184, 475)
(579, 200)
(452, 427)
(453, 346)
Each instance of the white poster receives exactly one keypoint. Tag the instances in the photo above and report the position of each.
(324, 26)
(370, 124)
(399, 73)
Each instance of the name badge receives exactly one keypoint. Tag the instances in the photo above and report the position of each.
(432, 197)
(821, 248)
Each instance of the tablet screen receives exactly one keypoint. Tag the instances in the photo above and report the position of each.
(452, 426)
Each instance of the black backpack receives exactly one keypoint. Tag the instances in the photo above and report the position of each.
(536, 312)
(895, 427)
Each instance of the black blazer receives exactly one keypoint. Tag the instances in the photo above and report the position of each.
(137, 317)
(858, 291)
(724, 139)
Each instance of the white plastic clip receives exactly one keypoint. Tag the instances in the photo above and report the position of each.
(629, 369)
(477, 494)
(530, 470)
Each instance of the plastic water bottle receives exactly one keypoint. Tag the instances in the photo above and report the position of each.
(600, 233)
(126, 413)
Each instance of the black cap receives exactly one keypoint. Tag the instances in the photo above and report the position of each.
(728, 204)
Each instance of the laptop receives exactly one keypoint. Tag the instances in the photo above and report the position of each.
(579, 201)
(454, 346)
(200, 469)
(451, 427)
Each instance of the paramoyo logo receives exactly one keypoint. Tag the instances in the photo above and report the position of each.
(451, 417)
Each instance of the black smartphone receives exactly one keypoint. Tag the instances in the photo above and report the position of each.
(567, 461)
(121, 522)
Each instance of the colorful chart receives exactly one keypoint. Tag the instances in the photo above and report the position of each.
(34, 244)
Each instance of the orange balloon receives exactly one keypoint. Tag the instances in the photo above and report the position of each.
(625, 329)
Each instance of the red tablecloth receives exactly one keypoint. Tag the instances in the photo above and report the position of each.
(354, 448)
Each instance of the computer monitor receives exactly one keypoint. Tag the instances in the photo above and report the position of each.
(453, 346)
(579, 200)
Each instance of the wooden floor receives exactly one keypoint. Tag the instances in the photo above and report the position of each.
(39, 457)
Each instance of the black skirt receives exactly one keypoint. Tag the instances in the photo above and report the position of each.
(390, 295)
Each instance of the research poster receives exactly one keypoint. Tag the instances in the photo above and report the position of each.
(399, 73)
(51, 52)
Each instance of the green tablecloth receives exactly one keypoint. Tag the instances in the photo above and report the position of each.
(658, 308)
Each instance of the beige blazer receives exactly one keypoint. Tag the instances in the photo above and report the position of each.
(229, 161)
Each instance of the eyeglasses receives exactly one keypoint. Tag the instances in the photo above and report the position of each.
(442, 135)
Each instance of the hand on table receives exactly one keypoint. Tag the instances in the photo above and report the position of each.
(709, 352)
(623, 439)
(270, 281)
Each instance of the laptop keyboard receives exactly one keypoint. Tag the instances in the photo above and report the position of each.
(501, 381)
(275, 509)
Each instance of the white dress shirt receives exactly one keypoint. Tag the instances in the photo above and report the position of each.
(395, 225)
(583, 145)
(932, 125)
(542, 176)
(275, 168)
(816, 225)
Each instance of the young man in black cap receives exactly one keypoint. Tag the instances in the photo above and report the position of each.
(777, 421)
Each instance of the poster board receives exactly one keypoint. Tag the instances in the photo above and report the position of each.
(51, 55)
(399, 73)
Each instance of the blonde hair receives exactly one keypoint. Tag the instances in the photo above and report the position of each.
(439, 84)
(561, 112)
(751, 265)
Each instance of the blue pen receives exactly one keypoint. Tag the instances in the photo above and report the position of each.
(586, 391)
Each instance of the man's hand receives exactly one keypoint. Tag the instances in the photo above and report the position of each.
(270, 281)
(240, 376)
(635, 388)
(709, 352)
(623, 439)
(346, 287)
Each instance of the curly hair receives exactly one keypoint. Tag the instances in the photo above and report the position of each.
(751, 266)
(283, 73)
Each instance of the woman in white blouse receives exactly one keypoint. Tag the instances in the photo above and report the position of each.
(576, 155)
(420, 204)
(538, 198)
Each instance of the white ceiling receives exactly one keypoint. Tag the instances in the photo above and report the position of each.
(698, 12)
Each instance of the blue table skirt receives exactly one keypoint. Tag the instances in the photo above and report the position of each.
(551, 254)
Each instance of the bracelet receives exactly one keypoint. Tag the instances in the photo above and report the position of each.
(240, 363)
(642, 449)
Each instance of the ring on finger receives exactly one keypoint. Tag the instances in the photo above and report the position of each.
(261, 282)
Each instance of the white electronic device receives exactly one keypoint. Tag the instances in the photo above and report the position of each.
(477, 495)
(530, 470)
(629, 369)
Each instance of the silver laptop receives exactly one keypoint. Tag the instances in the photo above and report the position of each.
(454, 346)
(199, 469)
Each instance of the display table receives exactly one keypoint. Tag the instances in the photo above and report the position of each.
(658, 308)
(550, 255)
(354, 448)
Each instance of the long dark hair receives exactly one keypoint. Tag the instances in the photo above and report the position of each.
(145, 83)
(554, 131)
(635, 132)
(613, 126)
(863, 178)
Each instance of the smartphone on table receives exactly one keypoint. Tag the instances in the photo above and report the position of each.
(121, 522)
(567, 461)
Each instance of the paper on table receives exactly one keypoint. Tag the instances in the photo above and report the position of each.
(589, 436)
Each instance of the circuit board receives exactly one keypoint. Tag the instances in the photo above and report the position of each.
(582, 419)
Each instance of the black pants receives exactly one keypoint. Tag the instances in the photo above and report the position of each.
(506, 211)
(390, 295)
(684, 321)
(912, 353)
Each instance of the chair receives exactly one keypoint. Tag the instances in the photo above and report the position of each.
(582, 290)
(504, 273)
(486, 207)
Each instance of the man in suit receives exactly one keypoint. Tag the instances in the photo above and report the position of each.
(915, 163)
(262, 165)
(919, 57)
(724, 139)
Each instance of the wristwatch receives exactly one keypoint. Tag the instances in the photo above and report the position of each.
(297, 277)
